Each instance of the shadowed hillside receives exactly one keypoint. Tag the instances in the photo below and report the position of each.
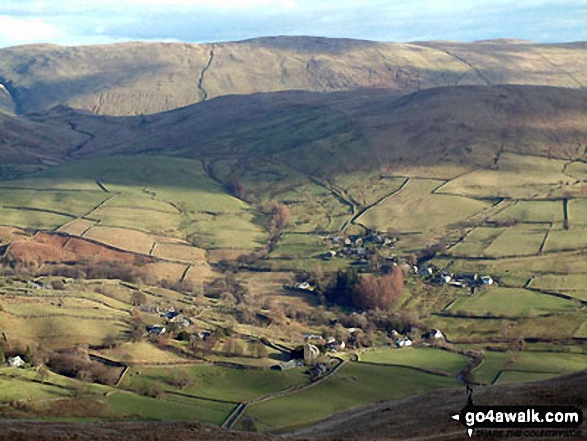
(464, 125)
(24, 141)
(145, 78)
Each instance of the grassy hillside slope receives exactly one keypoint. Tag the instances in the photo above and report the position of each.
(145, 78)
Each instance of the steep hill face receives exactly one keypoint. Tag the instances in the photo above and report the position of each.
(146, 78)
(325, 134)
(23, 141)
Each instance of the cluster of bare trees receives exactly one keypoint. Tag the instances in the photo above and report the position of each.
(365, 293)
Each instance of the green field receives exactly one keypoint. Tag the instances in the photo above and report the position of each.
(220, 383)
(477, 241)
(532, 211)
(128, 405)
(14, 388)
(61, 330)
(416, 209)
(535, 366)
(509, 377)
(32, 219)
(577, 170)
(355, 385)
(519, 240)
(510, 302)
(578, 211)
(560, 239)
(366, 189)
(582, 331)
(517, 176)
(424, 358)
(159, 222)
(517, 270)
(574, 285)
(161, 195)
(492, 364)
(75, 203)
(314, 209)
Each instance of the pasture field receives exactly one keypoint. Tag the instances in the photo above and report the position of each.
(77, 227)
(14, 388)
(560, 239)
(574, 285)
(355, 385)
(66, 306)
(225, 231)
(161, 195)
(299, 246)
(577, 170)
(170, 271)
(555, 326)
(465, 329)
(140, 352)
(492, 364)
(314, 209)
(144, 201)
(517, 176)
(150, 221)
(532, 211)
(509, 377)
(582, 331)
(74, 203)
(133, 406)
(555, 362)
(519, 240)
(536, 366)
(424, 358)
(510, 302)
(122, 238)
(517, 270)
(216, 382)
(417, 209)
(366, 188)
(60, 331)
(477, 241)
(578, 211)
(180, 252)
(13, 217)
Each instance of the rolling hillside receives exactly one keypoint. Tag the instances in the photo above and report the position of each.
(461, 125)
(146, 78)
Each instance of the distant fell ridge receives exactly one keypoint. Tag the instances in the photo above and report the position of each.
(146, 78)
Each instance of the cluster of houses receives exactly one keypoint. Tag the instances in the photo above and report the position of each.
(402, 341)
(443, 277)
(357, 246)
(172, 317)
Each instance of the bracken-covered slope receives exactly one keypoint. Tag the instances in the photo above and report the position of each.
(146, 78)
